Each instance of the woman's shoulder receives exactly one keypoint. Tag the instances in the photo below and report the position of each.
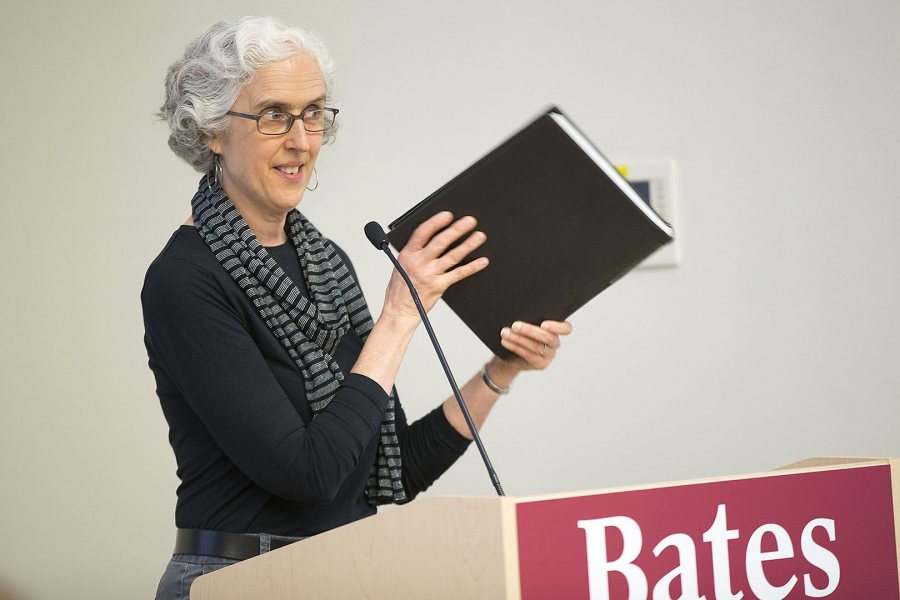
(185, 267)
(185, 250)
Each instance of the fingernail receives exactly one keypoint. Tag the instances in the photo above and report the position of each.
(517, 326)
(504, 333)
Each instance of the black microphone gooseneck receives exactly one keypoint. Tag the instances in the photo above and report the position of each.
(378, 238)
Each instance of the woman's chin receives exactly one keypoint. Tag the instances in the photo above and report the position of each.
(290, 197)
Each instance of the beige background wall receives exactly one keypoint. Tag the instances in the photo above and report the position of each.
(778, 338)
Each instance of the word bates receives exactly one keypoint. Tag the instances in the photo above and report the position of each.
(820, 563)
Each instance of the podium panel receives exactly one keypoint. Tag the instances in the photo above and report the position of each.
(791, 535)
(822, 528)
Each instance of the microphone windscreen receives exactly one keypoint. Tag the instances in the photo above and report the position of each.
(376, 234)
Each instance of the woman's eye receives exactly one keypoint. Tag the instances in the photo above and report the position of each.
(279, 117)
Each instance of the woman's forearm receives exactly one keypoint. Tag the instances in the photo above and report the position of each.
(432, 268)
(480, 399)
(384, 349)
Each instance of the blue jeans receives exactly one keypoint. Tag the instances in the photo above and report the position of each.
(181, 572)
(183, 569)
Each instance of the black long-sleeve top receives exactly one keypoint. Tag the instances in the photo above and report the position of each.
(249, 455)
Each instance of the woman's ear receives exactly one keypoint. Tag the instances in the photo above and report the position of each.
(215, 144)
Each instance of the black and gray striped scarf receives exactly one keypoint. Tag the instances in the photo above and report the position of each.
(309, 330)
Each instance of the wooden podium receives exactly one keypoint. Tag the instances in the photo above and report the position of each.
(821, 528)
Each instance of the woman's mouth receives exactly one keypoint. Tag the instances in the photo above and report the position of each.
(292, 173)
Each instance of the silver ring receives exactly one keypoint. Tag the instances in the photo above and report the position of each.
(543, 349)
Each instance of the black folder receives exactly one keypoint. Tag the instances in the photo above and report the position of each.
(562, 225)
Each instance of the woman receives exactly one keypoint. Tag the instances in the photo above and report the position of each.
(277, 384)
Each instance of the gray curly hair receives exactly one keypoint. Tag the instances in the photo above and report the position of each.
(203, 84)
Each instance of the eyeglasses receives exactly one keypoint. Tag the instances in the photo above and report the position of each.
(315, 120)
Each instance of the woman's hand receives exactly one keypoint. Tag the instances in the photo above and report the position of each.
(534, 346)
(430, 267)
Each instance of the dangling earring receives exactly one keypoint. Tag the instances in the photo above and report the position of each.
(215, 175)
(316, 175)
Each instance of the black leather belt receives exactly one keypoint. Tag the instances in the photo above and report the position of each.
(236, 546)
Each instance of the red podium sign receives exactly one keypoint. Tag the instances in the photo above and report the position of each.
(824, 534)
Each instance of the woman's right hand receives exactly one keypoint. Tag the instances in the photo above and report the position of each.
(430, 267)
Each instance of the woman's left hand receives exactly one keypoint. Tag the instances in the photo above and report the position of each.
(534, 346)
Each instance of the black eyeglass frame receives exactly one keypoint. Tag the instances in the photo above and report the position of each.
(291, 118)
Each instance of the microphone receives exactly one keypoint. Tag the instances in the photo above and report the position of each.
(378, 238)
(376, 235)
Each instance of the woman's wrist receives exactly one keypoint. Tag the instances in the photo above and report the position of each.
(384, 349)
(500, 372)
(398, 321)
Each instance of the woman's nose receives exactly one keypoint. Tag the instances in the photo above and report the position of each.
(297, 137)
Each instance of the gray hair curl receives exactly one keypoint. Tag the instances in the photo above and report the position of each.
(203, 84)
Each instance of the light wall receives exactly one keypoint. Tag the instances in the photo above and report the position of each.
(778, 338)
